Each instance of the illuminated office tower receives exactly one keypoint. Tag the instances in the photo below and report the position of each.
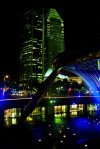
(31, 55)
(54, 36)
(42, 40)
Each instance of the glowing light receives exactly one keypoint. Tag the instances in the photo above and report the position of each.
(68, 128)
(86, 145)
(64, 136)
(50, 134)
(49, 71)
(62, 76)
(74, 103)
(74, 134)
(6, 77)
(61, 141)
(14, 121)
(29, 118)
(51, 101)
(60, 131)
(89, 74)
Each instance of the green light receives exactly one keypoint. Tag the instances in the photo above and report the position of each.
(62, 76)
(51, 101)
(49, 71)
(58, 119)
(54, 14)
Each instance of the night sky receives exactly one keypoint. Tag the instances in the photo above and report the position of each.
(82, 30)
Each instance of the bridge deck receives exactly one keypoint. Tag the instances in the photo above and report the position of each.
(22, 102)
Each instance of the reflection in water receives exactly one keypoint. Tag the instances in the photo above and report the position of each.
(11, 116)
(61, 111)
(10, 121)
(14, 121)
(63, 128)
(74, 113)
(14, 112)
(58, 119)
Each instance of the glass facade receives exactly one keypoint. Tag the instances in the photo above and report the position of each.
(59, 109)
(31, 50)
(54, 36)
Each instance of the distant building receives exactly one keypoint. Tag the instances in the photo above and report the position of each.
(42, 40)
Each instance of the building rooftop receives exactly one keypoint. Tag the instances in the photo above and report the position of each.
(52, 13)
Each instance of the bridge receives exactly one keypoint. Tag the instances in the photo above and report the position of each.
(59, 63)
(14, 103)
(22, 102)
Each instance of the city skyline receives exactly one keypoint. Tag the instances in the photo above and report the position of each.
(81, 32)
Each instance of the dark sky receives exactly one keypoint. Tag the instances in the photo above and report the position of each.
(82, 30)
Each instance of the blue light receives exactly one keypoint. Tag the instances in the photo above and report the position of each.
(87, 71)
(1, 93)
(24, 106)
(74, 103)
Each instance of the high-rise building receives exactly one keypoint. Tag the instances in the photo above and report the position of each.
(31, 52)
(42, 41)
(54, 36)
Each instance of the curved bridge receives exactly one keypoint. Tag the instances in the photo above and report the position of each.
(59, 63)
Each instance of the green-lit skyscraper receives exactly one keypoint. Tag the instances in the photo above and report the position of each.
(42, 40)
(54, 36)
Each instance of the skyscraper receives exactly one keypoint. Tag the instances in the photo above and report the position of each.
(54, 36)
(42, 41)
(31, 50)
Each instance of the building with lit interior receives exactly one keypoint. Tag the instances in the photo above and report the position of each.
(42, 40)
(31, 51)
(54, 36)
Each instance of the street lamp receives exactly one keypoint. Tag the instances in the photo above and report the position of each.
(5, 77)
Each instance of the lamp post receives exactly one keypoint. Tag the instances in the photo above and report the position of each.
(5, 77)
